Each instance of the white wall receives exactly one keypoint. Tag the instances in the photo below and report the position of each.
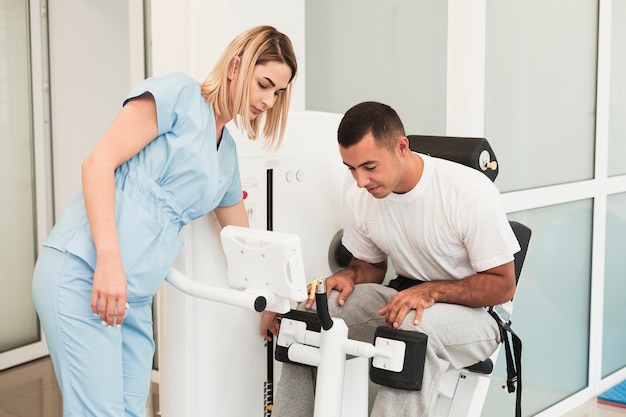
(190, 35)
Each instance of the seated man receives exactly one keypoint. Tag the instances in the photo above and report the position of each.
(445, 231)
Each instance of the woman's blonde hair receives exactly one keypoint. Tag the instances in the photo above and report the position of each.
(258, 45)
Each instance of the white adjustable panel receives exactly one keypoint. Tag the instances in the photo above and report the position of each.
(267, 262)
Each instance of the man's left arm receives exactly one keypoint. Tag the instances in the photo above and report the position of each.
(486, 288)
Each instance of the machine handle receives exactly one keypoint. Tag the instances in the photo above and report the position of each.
(223, 295)
(321, 300)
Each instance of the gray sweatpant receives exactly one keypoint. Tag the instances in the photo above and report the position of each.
(458, 336)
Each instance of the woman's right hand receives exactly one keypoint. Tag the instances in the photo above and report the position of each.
(269, 324)
(109, 293)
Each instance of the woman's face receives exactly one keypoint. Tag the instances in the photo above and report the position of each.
(268, 82)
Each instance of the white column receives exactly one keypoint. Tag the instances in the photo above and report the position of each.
(465, 98)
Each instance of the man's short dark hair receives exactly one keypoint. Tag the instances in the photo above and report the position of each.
(370, 117)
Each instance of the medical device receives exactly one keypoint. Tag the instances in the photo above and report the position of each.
(322, 342)
(265, 262)
(397, 356)
(195, 368)
(265, 271)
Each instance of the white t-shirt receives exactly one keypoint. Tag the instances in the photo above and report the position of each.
(450, 226)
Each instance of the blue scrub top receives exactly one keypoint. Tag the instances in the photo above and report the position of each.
(179, 176)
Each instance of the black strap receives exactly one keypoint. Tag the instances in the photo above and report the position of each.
(401, 283)
(513, 360)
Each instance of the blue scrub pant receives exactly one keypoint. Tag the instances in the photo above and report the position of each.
(102, 371)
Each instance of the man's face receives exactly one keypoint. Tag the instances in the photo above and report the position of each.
(377, 169)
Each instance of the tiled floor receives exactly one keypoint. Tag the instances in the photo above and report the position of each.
(31, 390)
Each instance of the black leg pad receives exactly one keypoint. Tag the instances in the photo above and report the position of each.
(407, 373)
(312, 323)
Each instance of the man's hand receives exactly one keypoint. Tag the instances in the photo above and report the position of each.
(340, 282)
(415, 298)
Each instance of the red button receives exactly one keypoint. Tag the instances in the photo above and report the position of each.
(245, 194)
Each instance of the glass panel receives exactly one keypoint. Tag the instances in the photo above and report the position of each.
(614, 337)
(540, 90)
(552, 308)
(17, 237)
(617, 110)
(388, 51)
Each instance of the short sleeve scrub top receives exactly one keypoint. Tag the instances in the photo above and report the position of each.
(181, 175)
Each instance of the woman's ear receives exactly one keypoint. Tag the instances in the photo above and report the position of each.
(233, 67)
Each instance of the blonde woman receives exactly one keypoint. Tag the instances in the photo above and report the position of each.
(166, 159)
